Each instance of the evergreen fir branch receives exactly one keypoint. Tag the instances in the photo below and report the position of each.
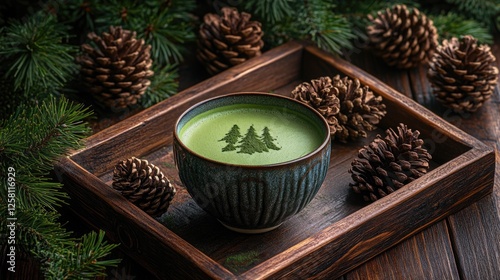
(335, 34)
(453, 25)
(484, 11)
(35, 189)
(314, 20)
(79, 14)
(55, 127)
(37, 229)
(33, 53)
(271, 11)
(83, 260)
(167, 28)
(163, 85)
(61, 256)
(328, 30)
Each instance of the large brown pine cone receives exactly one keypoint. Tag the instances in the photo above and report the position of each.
(116, 67)
(403, 38)
(228, 40)
(349, 108)
(389, 163)
(143, 184)
(463, 74)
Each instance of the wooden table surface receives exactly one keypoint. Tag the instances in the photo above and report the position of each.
(465, 245)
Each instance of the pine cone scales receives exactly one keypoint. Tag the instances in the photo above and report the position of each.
(403, 38)
(389, 163)
(349, 108)
(143, 184)
(462, 74)
(228, 40)
(117, 69)
(321, 96)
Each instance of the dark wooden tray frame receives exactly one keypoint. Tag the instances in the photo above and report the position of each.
(463, 174)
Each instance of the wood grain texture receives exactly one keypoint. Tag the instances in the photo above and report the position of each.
(414, 258)
(341, 232)
(474, 233)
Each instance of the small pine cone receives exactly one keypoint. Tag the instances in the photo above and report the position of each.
(228, 40)
(116, 69)
(143, 184)
(389, 163)
(403, 38)
(349, 108)
(462, 74)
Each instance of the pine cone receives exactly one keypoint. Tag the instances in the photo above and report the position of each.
(389, 163)
(349, 108)
(462, 74)
(403, 38)
(228, 40)
(143, 184)
(117, 69)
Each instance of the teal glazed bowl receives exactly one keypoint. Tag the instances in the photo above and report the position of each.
(251, 160)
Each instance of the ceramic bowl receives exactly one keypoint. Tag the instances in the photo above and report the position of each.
(252, 198)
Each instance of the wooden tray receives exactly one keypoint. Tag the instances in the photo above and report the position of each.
(333, 234)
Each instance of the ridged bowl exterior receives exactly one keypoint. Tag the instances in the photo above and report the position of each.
(251, 197)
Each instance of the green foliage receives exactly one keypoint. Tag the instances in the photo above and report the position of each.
(34, 56)
(80, 260)
(38, 228)
(314, 20)
(31, 140)
(167, 25)
(272, 11)
(453, 25)
(54, 126)
(164, 84)
(484, 11)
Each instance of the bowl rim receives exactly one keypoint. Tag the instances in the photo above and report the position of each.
(326, 141)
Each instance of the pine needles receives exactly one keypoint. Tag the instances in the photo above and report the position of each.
(30, 143)
(453, 25)
(35, 54)
(54, 127)
(313, 20)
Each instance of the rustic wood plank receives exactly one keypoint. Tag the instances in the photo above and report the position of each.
(475, 230)
(480, 222)
(475, 233)
(427, 255)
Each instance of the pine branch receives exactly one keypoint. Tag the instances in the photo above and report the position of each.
(37, 229)
(61, 256)
(33, 53)
(453, 25)
(327, 29)
(484, 11)
(83, 260)
(272, 11)
(167, 27)
(163, 85)
(56, 126)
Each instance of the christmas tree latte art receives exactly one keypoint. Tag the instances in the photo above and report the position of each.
(250, 134)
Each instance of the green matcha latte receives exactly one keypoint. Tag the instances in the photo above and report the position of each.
(251, 134)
